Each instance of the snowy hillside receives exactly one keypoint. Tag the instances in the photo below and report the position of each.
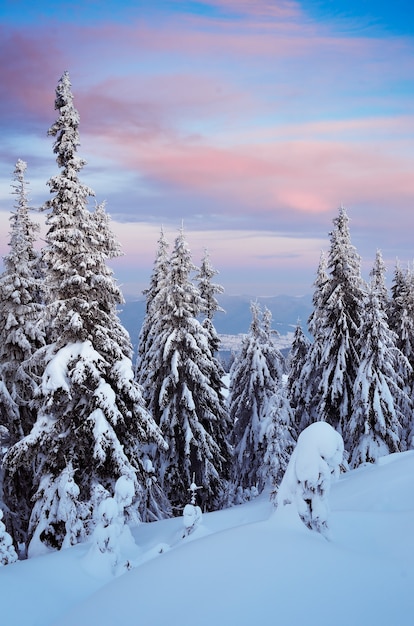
(242, 566)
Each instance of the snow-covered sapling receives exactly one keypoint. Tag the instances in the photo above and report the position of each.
(112, 539)
(7, 552)
(315, 460)
(192, 513)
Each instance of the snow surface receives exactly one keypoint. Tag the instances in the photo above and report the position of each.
(243, 566)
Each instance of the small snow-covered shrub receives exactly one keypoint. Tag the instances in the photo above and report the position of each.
(7, 551)
(113, 547)
(192, 512)
(315, 460)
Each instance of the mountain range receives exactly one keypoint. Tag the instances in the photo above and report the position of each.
(286, 312)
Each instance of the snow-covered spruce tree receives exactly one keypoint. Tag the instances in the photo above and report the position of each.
(144, 364)
(155, 504)
(280, 438)
(401, 321)
(304, 390)
(113, 550)
(21, 308)
(21, 333)
(91, 417)
(209, 307)
(296, 363)
(209, 303)
(400, 297)
(207, 288)
(379, 399)
(338, 328)
(181, 397)
(255, 378)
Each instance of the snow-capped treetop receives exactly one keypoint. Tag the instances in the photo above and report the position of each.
(207, 288)
(65, 129)
(320, 284)
(158, 283)
(377, 283)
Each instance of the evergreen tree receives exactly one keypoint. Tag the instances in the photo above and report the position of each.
(319, 297)
(144, 364)
(401, 316)
(207, 288)
(304, 391)
(21, 328)
(255, 378)
(378, 285)
(20, 316)
(182, 399)
(374, 428)
(280, 437)
(209, 307)
(397, 310)
(297, 361)
(91, 419)
(339, 323)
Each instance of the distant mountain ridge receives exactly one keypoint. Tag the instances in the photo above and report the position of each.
(286, 311)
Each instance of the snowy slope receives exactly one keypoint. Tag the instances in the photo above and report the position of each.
(245, 565)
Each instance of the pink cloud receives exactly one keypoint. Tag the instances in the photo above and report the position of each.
(304, 175)
(31, 65)
(202, 129)
(92, 54)
(281, 9)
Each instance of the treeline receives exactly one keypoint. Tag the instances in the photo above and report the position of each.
(80, 426)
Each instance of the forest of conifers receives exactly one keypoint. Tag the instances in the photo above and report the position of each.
(80, 424)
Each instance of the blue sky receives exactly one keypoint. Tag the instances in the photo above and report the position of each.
(249, 120)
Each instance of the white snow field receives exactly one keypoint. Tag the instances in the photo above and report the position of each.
(242, 566)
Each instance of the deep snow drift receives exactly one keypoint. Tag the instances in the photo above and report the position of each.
(242, 566)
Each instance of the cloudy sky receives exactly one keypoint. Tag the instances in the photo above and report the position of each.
(249, 121)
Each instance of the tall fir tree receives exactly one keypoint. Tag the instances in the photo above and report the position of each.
(280, 438)
(255, 379)
(21, 328)
(339, 324)
(182, 399)
(297, 360)
(91, 419)
(401, 316)
(158, 282)
(304, 392)
(379, 400)
(21, 307)
(209, 307)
